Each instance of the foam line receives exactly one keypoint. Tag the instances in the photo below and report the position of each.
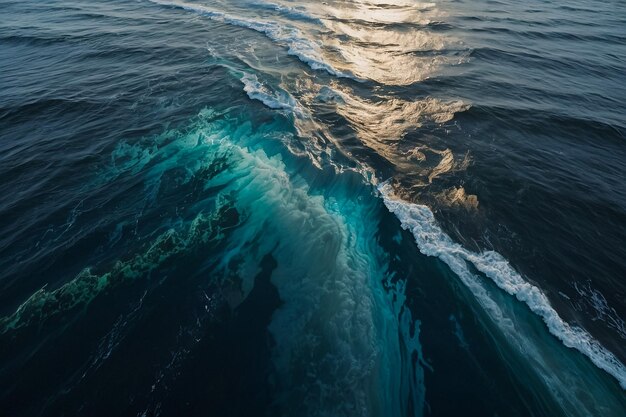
(279, 100)
(298, 45)
(432, 241)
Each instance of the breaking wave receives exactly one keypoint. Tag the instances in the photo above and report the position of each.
(432, 241)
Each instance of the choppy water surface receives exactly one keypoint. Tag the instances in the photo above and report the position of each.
(342, 208)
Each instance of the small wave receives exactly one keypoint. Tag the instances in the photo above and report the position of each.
(294, 13)
(553, 35)
(432, 241)
(42, 104)
(298, 45)
(279, 100)
(41, 40)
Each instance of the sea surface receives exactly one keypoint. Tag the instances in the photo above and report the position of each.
(304, 208)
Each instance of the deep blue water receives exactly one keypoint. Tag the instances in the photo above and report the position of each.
(341, 208)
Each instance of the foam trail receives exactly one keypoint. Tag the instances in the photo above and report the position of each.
(315, 145)
(280, 100)
(432, 241)
(298, 45)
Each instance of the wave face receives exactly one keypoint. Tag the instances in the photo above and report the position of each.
(342, 208)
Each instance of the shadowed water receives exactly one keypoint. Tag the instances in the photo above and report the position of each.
(325, 209)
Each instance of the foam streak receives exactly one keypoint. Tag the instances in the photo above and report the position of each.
(432, 241)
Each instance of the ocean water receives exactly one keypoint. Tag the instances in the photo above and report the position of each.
(298, 208)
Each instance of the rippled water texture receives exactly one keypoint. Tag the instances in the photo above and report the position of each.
(341, 208)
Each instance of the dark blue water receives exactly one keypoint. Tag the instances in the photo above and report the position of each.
(240, 208)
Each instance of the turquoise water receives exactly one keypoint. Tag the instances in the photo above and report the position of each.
(312, 209)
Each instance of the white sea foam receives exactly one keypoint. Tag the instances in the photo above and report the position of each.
(432, 241)
(336, 321)
(306, 50)
(277, 100)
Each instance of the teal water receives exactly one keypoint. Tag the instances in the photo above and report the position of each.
(238, 208)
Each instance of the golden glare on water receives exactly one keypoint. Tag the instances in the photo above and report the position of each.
(381, 11)
(385, 56)
(360, 40)
(382, 124)
(389, 43)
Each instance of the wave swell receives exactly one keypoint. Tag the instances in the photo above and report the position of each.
(432, 241)
(298, 45)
